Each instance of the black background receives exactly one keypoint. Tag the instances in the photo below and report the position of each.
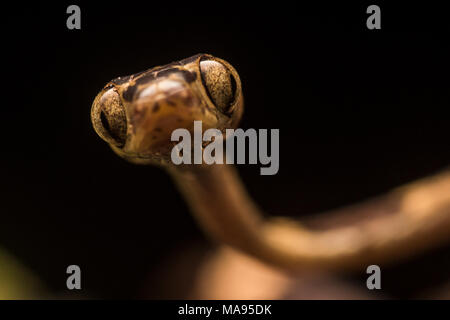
(359, 112)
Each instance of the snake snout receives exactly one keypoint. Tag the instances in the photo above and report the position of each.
(161, 108)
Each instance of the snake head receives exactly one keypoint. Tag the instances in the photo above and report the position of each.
(137, 114)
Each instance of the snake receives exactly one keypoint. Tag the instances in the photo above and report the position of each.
(136, 114)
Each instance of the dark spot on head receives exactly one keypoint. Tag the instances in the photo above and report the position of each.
(129, 93)
(171, 103)
(158, 129)
(145, 78)
(155, 107)
(188, 76)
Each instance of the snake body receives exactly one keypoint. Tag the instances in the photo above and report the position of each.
(136, 115)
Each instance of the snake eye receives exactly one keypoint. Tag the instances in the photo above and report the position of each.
(219, 83)
(109, 118)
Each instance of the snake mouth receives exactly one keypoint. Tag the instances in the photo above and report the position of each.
(109, 118)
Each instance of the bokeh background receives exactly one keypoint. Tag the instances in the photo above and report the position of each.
(359, 112)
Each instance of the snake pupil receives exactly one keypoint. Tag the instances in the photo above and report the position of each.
(233, 86)
(109, 118)
(105, 123)
(114, 122)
